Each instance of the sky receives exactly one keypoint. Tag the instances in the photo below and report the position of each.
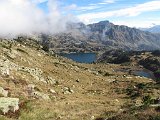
(27, 17)
(133, 13)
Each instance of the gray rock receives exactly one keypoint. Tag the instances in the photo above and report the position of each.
(40, 95)
(35, 72)
(3, 92)
(78, 80)
(67, 90)
(6, 66)
(30, 89)
(52, 91)
(36, 94)
(9, 104)
(51, 81)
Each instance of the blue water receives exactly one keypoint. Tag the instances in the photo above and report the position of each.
(143, 74)
(81, 57)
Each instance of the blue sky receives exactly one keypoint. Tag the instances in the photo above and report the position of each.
(50, 16)
(134, 13)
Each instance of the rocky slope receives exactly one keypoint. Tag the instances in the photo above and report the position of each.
(36, 85)
(149, 60)
(152, 63)
(103, 36)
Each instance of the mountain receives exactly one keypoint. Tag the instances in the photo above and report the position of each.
(154, 29)
(124, 37)
(101, 36)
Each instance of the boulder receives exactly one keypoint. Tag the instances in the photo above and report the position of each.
(51, 81)
(9, 104)
(35, 72)
(52, 91)
(36, 94)
(3, 92)
(67, 90)
(30, 89)
(40, 95)
(6, 66)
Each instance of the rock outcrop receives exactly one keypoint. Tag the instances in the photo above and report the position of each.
(3, 92)
(6, 66)
(9, 104)
(36, 94)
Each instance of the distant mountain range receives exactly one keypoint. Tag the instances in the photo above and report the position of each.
(104, 35)
(100, 36)
(124, 37)
(154, 29)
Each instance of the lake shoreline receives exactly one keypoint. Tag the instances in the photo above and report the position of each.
(149, 73)
(81, 57)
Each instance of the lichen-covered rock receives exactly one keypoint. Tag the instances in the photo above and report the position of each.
(6, 66)
(67, 90)
(35, 72)
(36, 94)
(51, 81)
(40, 95)
(30, 89)
(9, 104)
(52, 91)
(3, 92)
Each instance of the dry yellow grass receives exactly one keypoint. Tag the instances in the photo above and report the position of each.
(94, 92)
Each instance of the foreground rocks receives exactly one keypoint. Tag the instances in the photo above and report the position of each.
(9, 104)
(67, 90)
(3, 92)
(36, 94)
(7, 66)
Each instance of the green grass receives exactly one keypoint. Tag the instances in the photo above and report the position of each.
(34, 111)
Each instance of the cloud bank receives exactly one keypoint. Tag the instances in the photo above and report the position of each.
(24, 17)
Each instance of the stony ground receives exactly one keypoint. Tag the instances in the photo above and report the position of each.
(37, 86)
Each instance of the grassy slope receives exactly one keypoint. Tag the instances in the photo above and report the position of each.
(95, 93)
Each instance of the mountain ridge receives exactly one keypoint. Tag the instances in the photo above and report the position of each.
(97, 37)
(109, 36)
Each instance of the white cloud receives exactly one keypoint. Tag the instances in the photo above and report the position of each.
(132, 11)
(24, 17)
(107, 2)
(138, 23)
(91, 6)
(81, 8)
(39, 1)
(70, 7)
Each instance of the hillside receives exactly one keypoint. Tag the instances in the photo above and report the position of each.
(36, 85)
